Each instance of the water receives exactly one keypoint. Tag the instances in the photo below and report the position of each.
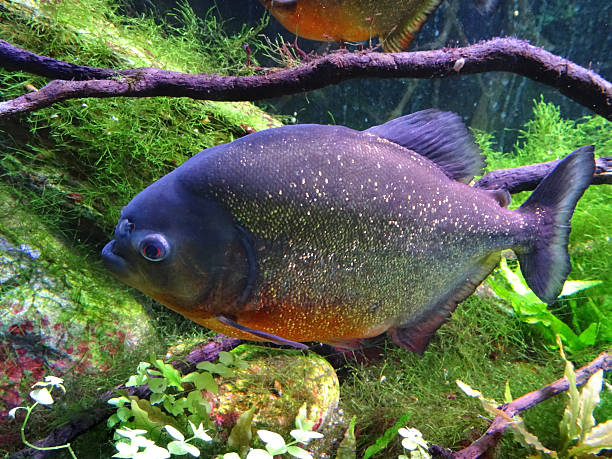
(496, 102)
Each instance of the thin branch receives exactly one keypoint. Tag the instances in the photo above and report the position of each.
(526, 178)
(499, 54)
(499, 424)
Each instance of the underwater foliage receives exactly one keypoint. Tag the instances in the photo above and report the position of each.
(98, 153)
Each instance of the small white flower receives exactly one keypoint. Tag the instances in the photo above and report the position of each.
(14, 410)
(259, 454)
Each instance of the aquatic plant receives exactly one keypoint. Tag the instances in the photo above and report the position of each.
(93, 155)
(42, 396)
(579, 433)
(530, 309)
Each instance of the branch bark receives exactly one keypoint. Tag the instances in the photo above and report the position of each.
(526, 178)
(499, 54)
(499, 424)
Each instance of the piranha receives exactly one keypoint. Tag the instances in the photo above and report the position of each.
(324, 233)
(394, 22)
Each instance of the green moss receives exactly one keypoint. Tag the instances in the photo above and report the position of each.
(98, 153)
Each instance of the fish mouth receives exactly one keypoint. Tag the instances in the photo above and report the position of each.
(114, 262)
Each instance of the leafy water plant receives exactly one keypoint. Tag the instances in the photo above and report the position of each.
(579, 434)
(530, 309)
(42, 396)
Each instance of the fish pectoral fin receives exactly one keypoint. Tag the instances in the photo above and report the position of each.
(399, 38)
(260, 334)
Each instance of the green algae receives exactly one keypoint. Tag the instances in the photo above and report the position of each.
(98, 153)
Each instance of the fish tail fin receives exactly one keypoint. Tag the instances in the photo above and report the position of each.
(545, 264)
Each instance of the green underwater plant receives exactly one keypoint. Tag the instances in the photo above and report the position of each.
(579, 434)
(42, 396)
(530, 309)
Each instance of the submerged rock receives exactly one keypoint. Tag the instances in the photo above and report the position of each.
(278, 383)
(56, 314)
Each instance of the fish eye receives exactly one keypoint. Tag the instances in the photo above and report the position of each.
(154, 247)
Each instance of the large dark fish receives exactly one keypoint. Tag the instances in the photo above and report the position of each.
(323, 233)
(395, 22)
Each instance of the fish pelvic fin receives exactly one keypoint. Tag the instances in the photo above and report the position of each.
(399, 38)
(545, 264)
(261, 334)
(439, 136)
(416, 334)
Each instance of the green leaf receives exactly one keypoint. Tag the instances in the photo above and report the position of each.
(588, 337)
(383, 441)
(527, 438)
(174, 433)
(149, 417)
(218, 368)
(157, 385)
(124, 413)
(199, 432)
(42, 396)
(180, 448)
(226, 358)
(507, 394)
(589, 399)
(202, 380)
(304, 436)
(170, 373)
(136, 380)
(599, 438)
(275, 444)
(118, 401)
(571, 287)
(241, 434)
(298, 452)
(112, 420)
(569, 428)
(155, 399)
(348, 446)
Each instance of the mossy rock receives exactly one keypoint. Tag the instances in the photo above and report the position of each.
(278, 383)
(61, 315)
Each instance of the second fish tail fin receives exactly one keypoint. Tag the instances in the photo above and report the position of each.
(546, 263)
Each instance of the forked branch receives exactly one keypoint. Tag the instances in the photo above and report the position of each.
(497, 55)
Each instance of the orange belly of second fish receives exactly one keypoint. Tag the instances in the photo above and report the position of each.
(324, 22)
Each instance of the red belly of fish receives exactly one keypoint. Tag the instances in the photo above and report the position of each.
(325, 23)
(328, 323)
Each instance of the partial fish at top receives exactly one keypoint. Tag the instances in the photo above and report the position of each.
(323, 233)
(395, 22)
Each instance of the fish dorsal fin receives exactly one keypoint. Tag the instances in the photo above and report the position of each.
(399, 38)
(439, 136)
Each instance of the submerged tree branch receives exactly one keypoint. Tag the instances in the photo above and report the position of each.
(499, 424)
(499, 54)
(527, 178)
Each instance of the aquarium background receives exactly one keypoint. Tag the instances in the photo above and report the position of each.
(66, 171)
(495, 102)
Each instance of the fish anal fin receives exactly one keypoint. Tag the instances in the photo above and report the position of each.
(416, 334)
(399, 38)
(345, 344)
